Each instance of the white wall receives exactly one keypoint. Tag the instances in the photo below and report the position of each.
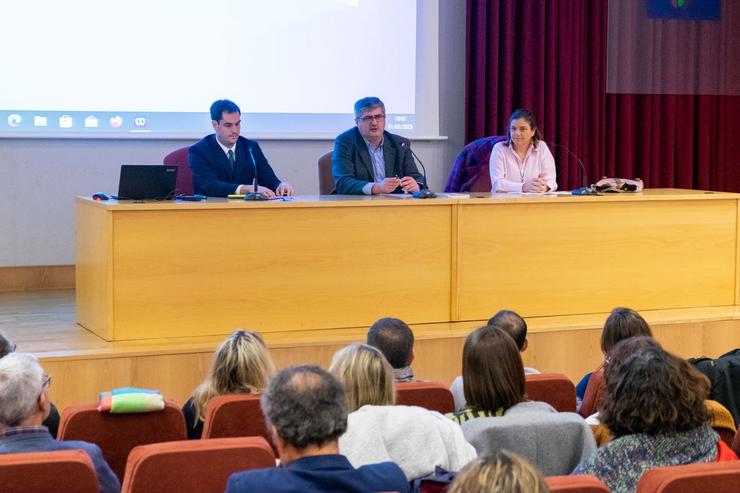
(40, 178)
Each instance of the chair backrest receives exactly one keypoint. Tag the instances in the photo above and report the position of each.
(179, 158)
(470, 171)
(197, 466)
(70, 471)
(235, 415)
(713, 476)
(554, 388)
(581, 483)
(326, 179)
(117, 434)
(554, 442)
(736, 443)
(429, 395)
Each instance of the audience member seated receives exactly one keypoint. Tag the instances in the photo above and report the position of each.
(24, 404)
(498, 416)
(306, 411)
(52, 421)
(654, 405)
(415, 438)
(396, 341)
(621, 324)
(242, 365)
(514, 325)
(504, 472)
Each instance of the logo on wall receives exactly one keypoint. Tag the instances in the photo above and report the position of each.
(707, 10)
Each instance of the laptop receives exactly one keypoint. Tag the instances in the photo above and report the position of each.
(144, 181)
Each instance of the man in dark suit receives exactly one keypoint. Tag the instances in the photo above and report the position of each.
(368, 160)
(223, 163)
(306, 410)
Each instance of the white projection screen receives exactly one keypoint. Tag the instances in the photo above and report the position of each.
(151, 68)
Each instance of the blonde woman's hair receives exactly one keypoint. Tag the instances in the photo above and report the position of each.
(366, 374)
(242, 365)
(505, 472)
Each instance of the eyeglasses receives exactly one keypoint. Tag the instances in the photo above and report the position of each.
(370, 118)
(46, 382)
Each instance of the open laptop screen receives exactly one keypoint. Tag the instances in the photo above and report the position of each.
(144, 181)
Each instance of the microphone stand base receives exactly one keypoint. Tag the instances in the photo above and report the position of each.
(256, 196)
(424, 194)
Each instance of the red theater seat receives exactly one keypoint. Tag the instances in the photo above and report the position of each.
(713, 476)
(554, 388)
(193, 466)
(70, 471)
(429, 395)
(117, 434)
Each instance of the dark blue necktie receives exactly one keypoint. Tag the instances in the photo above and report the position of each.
(230, 155)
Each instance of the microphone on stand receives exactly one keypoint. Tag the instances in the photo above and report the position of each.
(424, 193)
(586, 188)
(254, 194)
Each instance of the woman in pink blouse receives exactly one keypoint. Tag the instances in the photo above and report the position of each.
(523, 162)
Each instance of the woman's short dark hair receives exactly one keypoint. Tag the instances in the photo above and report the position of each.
(528, 116)
(621, 324)
(493, 373)
(649, 390)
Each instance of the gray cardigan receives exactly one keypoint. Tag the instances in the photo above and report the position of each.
(555, 442)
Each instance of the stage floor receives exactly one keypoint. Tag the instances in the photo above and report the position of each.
(83, 364)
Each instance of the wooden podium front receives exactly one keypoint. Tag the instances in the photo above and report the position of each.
(176, 269)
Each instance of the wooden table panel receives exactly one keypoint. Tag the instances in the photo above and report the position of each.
(559, 258)
(169, 269)
(195, 272)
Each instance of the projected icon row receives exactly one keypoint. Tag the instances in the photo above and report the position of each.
(68, 121)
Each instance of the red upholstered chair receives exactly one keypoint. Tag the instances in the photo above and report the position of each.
(583, 483)
(429, 395)
(326, 179)
(70, 471)
(554, 388)
(235, 415)
(712, 476)
(197, 466)
(179, 158)
(117, 434)
(594, 393)
(470, 171)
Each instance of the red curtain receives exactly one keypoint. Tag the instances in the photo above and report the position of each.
(549, 56)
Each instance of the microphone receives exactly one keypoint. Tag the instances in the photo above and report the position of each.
(585, 189)
(424, 193)
(254, 194)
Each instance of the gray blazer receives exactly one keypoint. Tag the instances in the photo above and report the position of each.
(353, 169)
(555, 442)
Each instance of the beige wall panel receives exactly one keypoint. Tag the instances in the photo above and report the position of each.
(37, 277)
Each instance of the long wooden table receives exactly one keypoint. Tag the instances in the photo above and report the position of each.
(174, 269)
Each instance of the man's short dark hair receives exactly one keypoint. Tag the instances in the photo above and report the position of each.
(367, 104)
(394, 339)
(511, 323)
(223, 105)
(6, 345)
(306, 405)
